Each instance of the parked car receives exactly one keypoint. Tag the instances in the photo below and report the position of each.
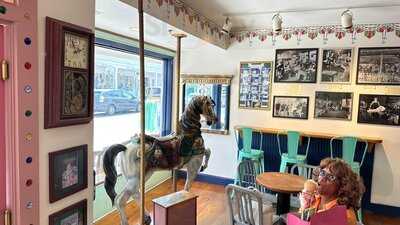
(115, 100)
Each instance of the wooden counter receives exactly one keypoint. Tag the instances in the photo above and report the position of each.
(371, 140)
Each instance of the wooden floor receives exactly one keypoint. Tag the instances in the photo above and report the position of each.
(211, 207)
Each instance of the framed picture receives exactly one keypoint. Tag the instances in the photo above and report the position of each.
(295, 107)
(68, 172)
(75, 214)
(69, 74)
(255, 85)
(296, 65)
(333, 105)
(336, 65)
(379, 109)
(379, 66)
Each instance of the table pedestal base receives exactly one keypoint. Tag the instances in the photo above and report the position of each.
(282, 207)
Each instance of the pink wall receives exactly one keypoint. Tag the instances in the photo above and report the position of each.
(2, 133)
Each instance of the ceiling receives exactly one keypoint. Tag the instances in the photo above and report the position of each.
(118, 17)
(257, 14)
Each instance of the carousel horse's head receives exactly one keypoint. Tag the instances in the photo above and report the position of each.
(205, 106)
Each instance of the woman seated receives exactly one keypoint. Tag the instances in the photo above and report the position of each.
(338, 185)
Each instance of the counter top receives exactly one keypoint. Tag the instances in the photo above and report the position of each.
(312, 134)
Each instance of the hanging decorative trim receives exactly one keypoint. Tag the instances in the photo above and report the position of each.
(180, 15)
(326, 32)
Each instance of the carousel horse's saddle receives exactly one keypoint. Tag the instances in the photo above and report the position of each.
(166, 152)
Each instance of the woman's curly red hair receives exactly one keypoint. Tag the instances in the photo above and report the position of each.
(350, 185)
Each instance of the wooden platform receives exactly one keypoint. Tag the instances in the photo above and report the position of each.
(211, 206)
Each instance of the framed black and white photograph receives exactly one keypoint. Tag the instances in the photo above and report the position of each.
(336, 65)
(296, 65)
(379, 109)
(379, 66)
(295, 107)
(75, 214)
(255, 85)
(67, 172)
(333, 105)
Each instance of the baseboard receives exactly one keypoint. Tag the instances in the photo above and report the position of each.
(207, 178)
(384, 209)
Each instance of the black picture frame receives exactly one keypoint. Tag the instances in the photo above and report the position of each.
(371, 111)
(372, 69)
(255, 84)
(68, 172)
(285, 71)
(336, 65)
(74, 214)
(278, 111)
(333, 105)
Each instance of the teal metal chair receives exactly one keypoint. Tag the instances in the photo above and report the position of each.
(349, 145)
(247, 152)
(292, 156)
(348, 151)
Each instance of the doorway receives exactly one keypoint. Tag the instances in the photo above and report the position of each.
(2, 134)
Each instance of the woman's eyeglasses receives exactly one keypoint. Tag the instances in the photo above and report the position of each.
(328, 176)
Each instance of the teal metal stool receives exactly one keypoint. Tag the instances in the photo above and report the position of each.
(349, 145)
(348, 151)
(247, 152)
(292, 156)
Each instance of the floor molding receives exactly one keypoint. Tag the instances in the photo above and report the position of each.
(207, 178)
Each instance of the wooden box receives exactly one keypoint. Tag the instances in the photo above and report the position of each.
(178, 208)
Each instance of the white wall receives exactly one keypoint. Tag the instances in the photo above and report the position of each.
(80, 13)
(208, 59)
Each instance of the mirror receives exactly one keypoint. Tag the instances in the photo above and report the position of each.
(215, 86)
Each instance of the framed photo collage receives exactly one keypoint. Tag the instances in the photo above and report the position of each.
(375, 66)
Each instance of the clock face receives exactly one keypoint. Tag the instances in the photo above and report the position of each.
(76, 51)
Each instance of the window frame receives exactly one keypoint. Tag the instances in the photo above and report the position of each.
(167, 83)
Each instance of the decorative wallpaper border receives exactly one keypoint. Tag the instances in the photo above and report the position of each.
(326, 32)
(181, 16)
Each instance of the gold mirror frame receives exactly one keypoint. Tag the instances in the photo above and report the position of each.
(208, 79)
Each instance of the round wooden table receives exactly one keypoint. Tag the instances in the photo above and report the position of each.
(284, 184)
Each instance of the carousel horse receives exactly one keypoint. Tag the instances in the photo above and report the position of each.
(185, 149)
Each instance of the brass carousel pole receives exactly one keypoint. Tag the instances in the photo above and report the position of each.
(178, 36)
(142, 112)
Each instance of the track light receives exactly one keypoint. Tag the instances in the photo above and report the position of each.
(347, 19)
(277, 23)
(227, 26)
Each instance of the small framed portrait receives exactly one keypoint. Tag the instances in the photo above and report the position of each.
(378, 66)
(294, 107)
(333, 105)
(68, 172)
(379, 109)
(296, 65)
(75, 214)
(336, 65)
(68, 74)
(255, 85)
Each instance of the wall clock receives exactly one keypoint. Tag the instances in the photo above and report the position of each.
(69, 74)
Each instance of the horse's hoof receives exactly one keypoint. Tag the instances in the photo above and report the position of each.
(147, 219)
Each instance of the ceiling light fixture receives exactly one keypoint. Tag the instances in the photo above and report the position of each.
(277, 23)
(347, 19)
(226, 28)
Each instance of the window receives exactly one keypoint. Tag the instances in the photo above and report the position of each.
(116, 102)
